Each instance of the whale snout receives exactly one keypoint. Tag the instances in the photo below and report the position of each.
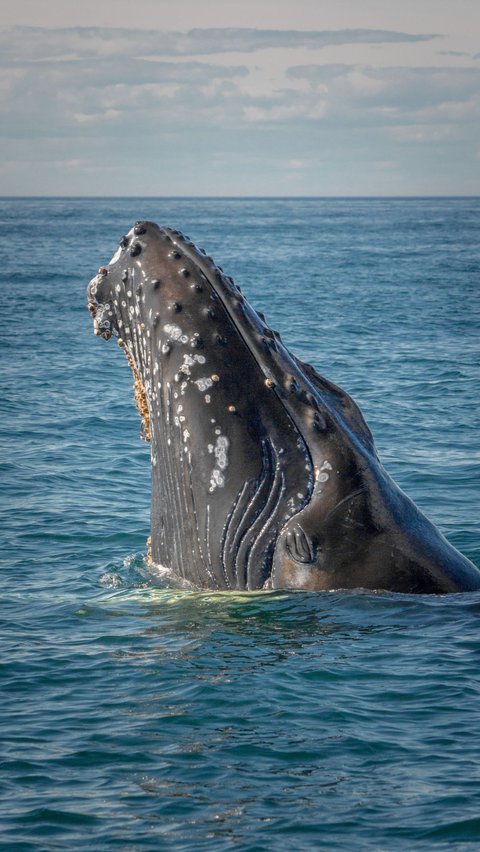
(99, 303)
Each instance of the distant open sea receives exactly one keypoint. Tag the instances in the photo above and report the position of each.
(135, 717)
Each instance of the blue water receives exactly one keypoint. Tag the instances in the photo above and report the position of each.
(136, 717)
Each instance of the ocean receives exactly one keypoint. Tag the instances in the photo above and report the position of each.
(142, 717)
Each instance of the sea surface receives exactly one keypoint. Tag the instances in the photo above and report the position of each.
(136, 717)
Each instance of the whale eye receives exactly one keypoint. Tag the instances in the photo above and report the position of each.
(299, 545)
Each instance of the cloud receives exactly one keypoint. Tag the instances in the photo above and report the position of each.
(131, 94)
(362, 94)
(424, 134)
(41, 44)
(452, 53)
(58, 96)
(184, 106)
(64, 81)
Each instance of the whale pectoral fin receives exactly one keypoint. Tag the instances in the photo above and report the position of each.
(299, 545)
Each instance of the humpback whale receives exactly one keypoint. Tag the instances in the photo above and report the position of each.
(264, 473)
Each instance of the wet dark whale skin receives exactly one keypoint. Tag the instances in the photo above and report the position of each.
(264, 474)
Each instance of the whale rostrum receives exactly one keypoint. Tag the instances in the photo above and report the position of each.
(264, 473)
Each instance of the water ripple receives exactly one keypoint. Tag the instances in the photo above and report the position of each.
(139, 716)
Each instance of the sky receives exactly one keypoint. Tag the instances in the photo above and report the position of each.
(240, 97)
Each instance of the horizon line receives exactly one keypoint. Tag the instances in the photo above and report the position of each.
(242, 197)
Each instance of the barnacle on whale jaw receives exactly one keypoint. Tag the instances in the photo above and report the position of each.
(139, 395)
(104, 325)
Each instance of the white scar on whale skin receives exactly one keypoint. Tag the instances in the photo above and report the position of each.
(322, 475)
(175, 332)
(220, 451)
(190, 361)
(204, 384)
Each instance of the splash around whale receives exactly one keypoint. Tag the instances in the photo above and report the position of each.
(264, 473)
